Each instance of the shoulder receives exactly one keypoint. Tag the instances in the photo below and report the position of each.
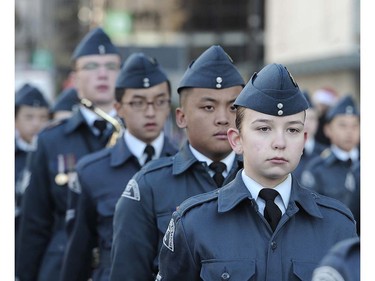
(53, 125)
(157, 165)
(329, 203)
(197, 201)
(90, 160)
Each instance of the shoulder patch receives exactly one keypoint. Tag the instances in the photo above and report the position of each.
(73, 183)
(132, 190)
(325, 153)
(326, 273)
(168, 236)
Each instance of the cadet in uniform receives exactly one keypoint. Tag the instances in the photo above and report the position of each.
(239, 232)
(143, 96)
(66, 104)
(42, 234)
(207, 92)
(329, 173)
(312, 147)
(342, 263)
(31, 116)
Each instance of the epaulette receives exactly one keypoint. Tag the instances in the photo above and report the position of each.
(197, 200)
(325, 153)
(157, 164)
(335, 204)
(91, 158)
(54, 123)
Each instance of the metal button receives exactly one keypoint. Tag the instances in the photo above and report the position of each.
(225, 276)
(280, 112)
(273, 245)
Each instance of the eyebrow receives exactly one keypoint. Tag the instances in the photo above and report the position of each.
(215, 100)
(268, 121)
(145, 96)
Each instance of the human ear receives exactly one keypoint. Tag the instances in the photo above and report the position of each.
(235, 140)
(180, 118)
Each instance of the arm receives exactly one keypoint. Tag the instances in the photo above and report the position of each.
(37, 221)
(135, 234)
(176, 262)
(78, 258)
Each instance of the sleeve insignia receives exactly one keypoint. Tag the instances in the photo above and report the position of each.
(168, 237)
(326, 273)
(132, 190)
(73, 183)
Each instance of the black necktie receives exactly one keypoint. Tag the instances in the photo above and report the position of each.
(101, 125)
(150, 151)
(218, 168)
(272, 212)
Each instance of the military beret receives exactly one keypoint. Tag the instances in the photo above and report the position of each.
(30, 96)
(96, 42)
(345, 105)
(67, 99)
(272, 91)
(213, 69)
(140, 71)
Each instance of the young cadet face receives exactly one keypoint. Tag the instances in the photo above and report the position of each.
(271, 145)
(207, 114)
(344, 131)
(30, 120)
(144, 120)
(95, 77)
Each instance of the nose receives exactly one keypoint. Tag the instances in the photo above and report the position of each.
(223, 116)
(279, 141)
(150, 109)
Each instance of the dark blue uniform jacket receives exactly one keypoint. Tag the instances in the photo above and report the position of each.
(102, 176)
(222, 236)
(42, 235)
(146, 206)
(328, 175)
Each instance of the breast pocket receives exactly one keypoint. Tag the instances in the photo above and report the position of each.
(228, 270)
(302, 270)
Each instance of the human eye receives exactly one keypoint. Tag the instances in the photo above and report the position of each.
(161, 102)
(208, 108)
(294, 130)
(111, 66)
(137, 103)
(264, 129)
(232, 108)
(90, 66)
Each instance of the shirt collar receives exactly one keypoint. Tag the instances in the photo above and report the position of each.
(137, 147)
(90, 116)
(344, 155)
(309, 145)
(283, 188)
(228, 161)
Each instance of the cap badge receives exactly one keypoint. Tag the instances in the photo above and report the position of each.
(219, 80)
(146, 82)
(280, 106)
(349, 110)
(101, 49)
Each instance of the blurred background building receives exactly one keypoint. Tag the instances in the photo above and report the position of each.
(319, 41)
